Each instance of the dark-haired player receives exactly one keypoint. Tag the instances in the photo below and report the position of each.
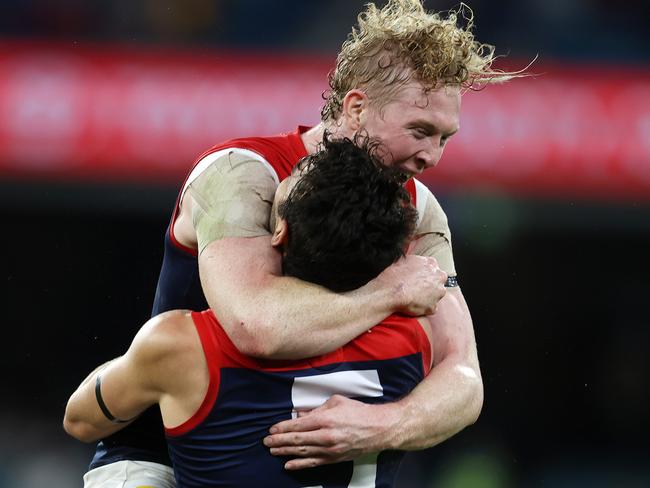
(218, 404)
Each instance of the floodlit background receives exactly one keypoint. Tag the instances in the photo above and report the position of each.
(104, 105)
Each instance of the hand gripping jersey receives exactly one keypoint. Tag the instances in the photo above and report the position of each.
(179, 286)
(221, 445)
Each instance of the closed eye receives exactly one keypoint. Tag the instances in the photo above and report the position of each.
(422, 133)
(424, 130)
(446, 137)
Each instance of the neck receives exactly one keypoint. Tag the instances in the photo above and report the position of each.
(314, 136)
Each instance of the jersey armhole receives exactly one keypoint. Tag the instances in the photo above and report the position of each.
(212, 357)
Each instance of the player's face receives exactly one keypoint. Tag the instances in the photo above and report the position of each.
(415, 126)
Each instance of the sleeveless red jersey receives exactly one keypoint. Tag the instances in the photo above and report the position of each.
(221, 445)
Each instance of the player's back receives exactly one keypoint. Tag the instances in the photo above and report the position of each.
(221, 445)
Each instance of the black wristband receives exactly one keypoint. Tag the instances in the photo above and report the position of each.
(451, 282)
(100, 401)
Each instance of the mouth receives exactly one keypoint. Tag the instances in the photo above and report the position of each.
(410, 173)
(410, 170)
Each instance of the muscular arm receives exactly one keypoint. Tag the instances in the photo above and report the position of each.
(129, 384)
(269, 315)
(447, 400)
(451, 396)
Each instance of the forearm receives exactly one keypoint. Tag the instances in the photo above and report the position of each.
(444, 403)
(451, 397)
(291, 319)
(269, 315)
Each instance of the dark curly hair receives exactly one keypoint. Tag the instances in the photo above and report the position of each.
(349, 217)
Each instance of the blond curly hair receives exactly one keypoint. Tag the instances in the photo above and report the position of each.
(401, 42)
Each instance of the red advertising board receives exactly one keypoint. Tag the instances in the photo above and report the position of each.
(126, 114)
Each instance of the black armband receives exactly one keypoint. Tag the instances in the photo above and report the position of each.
(451, 282)
(100, 401)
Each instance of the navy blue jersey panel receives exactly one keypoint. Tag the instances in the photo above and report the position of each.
(144, 439)
(179, 286)
(226, 448)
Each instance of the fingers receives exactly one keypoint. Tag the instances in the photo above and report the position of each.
(441, 276)
(296, 464)
(300, 439)
(299, 451)
(303, 423)
(309, 419)
(303, 413)
(309, 456)
(319, 436)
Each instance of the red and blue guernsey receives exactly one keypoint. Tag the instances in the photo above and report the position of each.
(179, 287)
(221, 445)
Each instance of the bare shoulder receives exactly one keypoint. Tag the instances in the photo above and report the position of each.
(166, 338)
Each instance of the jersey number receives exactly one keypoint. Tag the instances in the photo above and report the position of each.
(309, 392)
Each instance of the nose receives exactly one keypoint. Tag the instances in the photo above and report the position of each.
(429, 157)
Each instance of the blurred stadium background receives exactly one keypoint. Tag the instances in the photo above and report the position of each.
(105, 104)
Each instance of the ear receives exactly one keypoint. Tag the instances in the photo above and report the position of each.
(354, 104)
(280, 233)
